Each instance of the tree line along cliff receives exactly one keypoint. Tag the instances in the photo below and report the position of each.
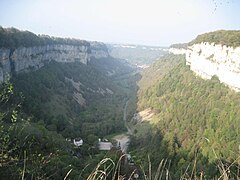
(215, 53)
(12, 38)
(23, 50)
(224, 37)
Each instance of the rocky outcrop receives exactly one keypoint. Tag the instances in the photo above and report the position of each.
(209, 59)
(177, 50)
(5, 67)
(98, 50)
(28, 58)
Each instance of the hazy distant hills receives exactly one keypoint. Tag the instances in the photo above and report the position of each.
(139, 55)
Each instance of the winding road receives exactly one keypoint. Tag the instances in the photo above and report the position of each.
(123, 140)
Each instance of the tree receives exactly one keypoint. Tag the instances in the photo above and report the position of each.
(92, 139)
(8, 117)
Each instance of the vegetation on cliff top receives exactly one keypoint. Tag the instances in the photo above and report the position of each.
(179, 45)
(224, 37)
(13, 38)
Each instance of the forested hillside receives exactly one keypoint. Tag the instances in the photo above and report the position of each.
(42, 110)
(195, 125)
(73, 96)
(188, 124)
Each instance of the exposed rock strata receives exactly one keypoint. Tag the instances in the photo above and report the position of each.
(207, 60)
(28, 58)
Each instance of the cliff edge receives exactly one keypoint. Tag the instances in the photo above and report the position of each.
(215, 54)
(22, 50)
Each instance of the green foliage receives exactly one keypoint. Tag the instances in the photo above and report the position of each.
(33, 129)
(195, 119)
(49, 96)
(61, 100)
(156, 71)
(224, 37)
(33, 132)
(8, 116)
(28, 150)
(13, 38)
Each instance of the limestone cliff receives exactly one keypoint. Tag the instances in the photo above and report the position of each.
(209, 59)
(27, 58)
(177, 50)
(98, 50)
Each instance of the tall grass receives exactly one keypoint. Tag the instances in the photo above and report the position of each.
(108, 170)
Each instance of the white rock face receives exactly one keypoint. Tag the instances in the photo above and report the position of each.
(98, 50)
(35, 56)
(5, 67)
(22, 59)
(177, 51)
(99, 54)
(207, 60)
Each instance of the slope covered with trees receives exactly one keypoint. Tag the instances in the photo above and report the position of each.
(51, 96)
(224, 37)
(42, 111)
(195, 122)
(57, 102)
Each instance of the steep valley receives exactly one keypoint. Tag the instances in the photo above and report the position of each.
(170, 119)
(61, 92)
(137, 55)
(193, 119)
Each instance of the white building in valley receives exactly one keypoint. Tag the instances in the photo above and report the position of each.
(78, 142)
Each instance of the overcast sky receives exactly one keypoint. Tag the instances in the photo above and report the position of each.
(150, 22)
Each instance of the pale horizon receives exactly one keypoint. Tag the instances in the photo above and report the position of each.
(140, 22)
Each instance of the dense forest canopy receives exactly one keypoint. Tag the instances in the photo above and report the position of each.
(224, 37)
(13, 38)
(194, 119)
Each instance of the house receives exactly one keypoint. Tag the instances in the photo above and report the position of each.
(105, 146)
(78, 142)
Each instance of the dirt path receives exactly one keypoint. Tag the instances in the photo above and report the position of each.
(123, 141)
